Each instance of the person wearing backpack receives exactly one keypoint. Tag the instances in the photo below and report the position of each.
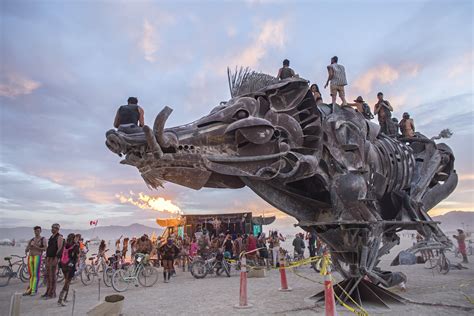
(67, 263)
(35, 248)
(362, 107)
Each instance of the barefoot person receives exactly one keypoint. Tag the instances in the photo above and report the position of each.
(337, 77)
(53, 252)
(69, 256)
(35, 248)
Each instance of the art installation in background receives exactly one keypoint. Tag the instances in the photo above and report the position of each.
(325, 165)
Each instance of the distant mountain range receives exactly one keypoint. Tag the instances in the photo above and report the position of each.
(102, 232)
(455, 219)
(449, 223)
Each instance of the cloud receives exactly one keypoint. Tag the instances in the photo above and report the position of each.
(463, 65)
(272, 34)
(149, 41)
(384, 74)
(16, 84)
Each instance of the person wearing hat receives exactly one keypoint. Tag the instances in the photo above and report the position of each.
(407, 127)
(461, 238)
(362, 107)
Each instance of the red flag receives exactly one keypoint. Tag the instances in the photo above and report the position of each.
(93, 223)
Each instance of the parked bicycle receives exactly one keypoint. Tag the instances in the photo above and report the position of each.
(115, 262)
(139, 273)
(96, 267)
(8, 271)
(201, 267)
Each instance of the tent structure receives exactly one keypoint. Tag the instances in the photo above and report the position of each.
(215, 224)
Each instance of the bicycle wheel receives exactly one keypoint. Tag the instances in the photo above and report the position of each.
(443, 264)
(147, 276)
(5, 275)
(24, 274)
(87, 275)
(120, 280)
(226, 267)
(199, 269)
(108, 273)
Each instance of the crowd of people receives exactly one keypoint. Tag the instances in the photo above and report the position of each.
(69, 254)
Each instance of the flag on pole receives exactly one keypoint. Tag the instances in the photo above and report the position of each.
(93, 223)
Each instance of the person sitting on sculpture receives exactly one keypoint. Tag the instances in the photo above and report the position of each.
(362, 107)
(407, 126)
(130, 118)
(285, 71)
(383, 109)
(316, 94)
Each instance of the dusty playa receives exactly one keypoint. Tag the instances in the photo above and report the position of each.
(188, 296)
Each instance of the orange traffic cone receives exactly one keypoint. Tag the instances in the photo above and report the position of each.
(243, 302)
(284, 283)
(329, 301)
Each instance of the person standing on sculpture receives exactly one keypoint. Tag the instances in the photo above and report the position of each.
(285, 71)
(383, 109)
(407, 126)
(53, 252)
(337, 77)
(131, 114)
(35, 248)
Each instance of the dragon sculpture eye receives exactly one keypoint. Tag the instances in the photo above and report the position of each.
(241, 114)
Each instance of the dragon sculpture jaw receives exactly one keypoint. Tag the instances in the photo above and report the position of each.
(325, 165)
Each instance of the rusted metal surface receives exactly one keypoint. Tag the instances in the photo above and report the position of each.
(325, 165)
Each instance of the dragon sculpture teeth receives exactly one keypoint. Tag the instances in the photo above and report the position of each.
(325, 165)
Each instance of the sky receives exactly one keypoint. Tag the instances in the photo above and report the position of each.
(67, 65)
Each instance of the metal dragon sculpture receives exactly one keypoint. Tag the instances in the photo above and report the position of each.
(325, 165)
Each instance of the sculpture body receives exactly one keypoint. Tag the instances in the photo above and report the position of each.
(325, 165)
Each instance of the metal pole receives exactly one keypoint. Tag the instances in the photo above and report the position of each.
(15, 304)
(73, 301)
(99, 290)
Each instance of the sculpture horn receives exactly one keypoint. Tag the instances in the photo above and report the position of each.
(165, 139)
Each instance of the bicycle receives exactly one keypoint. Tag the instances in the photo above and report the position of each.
(115, 262)
(92, 270)
(441, 263)
(139, 273)
(201, 267)
(6, 272)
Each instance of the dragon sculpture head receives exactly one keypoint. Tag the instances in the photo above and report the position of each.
(325, 165)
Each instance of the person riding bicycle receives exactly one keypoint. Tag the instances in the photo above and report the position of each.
(169, 251)
(228, 245)
(203, 245)
(101, 252)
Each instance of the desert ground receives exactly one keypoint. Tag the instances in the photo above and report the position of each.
(185, 295)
